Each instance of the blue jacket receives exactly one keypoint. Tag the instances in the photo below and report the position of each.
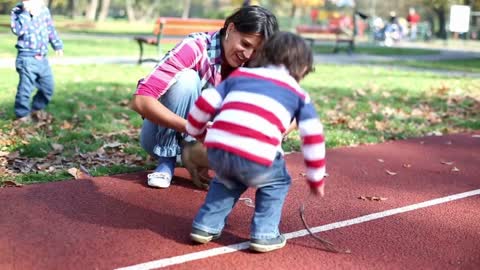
(34, 32)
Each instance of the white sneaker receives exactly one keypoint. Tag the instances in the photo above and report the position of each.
(159, 179)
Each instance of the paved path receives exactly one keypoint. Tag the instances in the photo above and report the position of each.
(384, 61)
(446, 53)
(430, 218)
(340, 59)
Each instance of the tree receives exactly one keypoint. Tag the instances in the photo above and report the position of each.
(91, 11)
(102, 15)
(186, 8)
(71, 8)
(130, 10)
(440, 8)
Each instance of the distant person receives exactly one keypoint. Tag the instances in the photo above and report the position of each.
(164, 97)
(251, 110)
(314, 15)
(32, 23)
(413, 19)
(393, 30)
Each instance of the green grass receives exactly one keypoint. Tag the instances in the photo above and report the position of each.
(89, 110)
(374, 50)
(110, 26)
(369, 105)
(91, 119)
(88, 46)
(465, 65)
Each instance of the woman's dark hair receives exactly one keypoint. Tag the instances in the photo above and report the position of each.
(252, 19)
(289, 50)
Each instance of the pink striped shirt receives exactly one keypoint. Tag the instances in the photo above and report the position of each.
(199, 51)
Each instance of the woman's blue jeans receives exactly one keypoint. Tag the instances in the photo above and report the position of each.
(234, 175)
(160, 141)
(33, 73)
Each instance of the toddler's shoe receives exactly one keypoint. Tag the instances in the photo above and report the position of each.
(159, 179)
(202, 237)
(23, 120)
(266, 245)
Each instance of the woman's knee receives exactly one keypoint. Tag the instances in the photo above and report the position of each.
(187, 84)
(183, 93)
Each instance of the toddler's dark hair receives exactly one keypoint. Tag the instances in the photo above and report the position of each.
(288, 49)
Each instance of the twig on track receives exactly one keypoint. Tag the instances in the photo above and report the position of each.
(329, 246)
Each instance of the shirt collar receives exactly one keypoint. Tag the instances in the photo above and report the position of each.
(214, 49)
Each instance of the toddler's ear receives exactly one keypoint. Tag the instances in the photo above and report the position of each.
(304, 71)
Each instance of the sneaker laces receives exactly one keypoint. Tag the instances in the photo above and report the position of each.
(160, 175)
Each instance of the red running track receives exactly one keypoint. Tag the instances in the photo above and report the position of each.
(116, 221)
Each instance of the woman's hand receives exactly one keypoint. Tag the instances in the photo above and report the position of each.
(153, 110)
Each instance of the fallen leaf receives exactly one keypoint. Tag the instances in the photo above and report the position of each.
(248, 202)
(4, 154)
(380, 160)
(390, 172)
(57, 147)
(9, 183)
(112, 145)
(66, 125)
(44, 166)
(448, 142)
(81, 173)
(447, 162)
(380, 126)
(406, 165)
(372, 198)
(455, 169)
(434, 133)
(124, 102)
(360, 92)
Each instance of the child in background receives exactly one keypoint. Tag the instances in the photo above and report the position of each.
(32, 23)
(251, 110)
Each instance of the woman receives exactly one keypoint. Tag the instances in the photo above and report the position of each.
(165, 96)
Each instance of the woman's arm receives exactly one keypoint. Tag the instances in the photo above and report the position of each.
(145, 101)
(150, 108)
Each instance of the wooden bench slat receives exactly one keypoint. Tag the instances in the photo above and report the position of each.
(178, 27)
(318, 32)
(179, 31)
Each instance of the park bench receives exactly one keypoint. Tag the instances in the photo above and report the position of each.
(177, 28)
(312, 33)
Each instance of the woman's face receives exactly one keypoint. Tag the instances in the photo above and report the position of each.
(240, 47)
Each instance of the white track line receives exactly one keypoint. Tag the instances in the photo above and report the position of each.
(244, 245)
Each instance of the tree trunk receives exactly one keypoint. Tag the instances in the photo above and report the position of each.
(186, 8)
(104, 10)
(130, 10)
(442, 31)
(293, 11)
(71, 8)
(91, 11)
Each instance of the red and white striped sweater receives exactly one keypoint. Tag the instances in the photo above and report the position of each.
(251, 110)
